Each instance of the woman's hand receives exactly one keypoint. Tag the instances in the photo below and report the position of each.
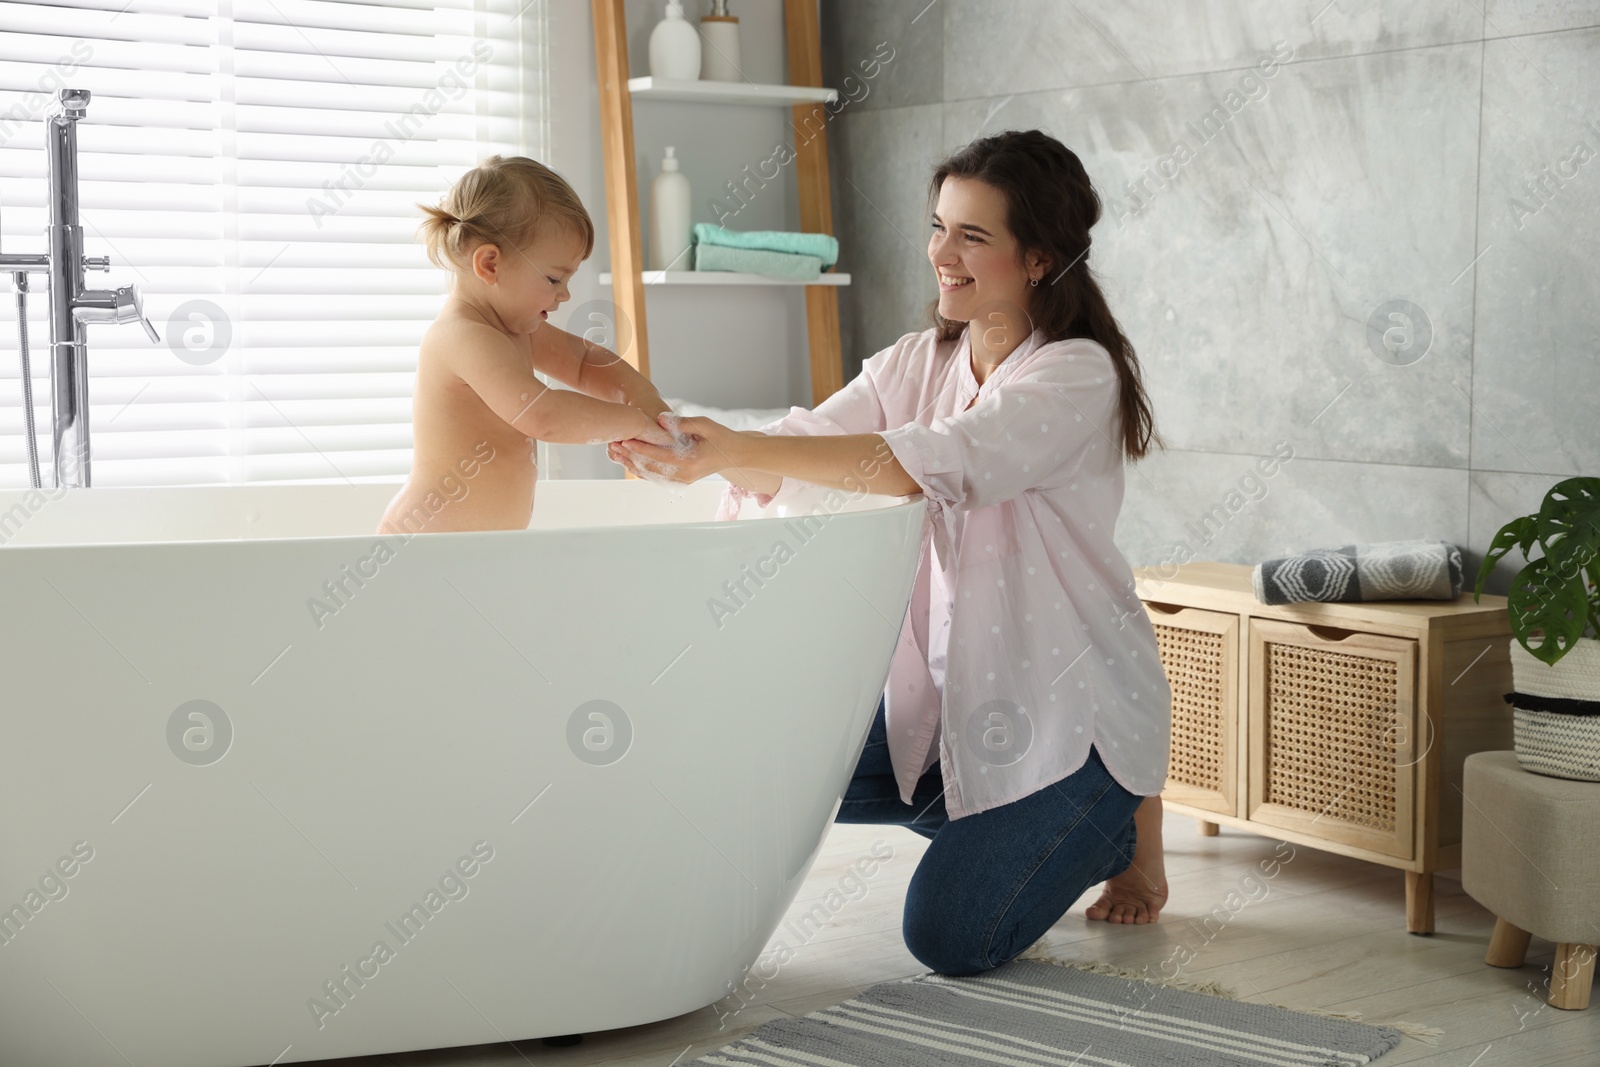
(647, 431)
(701, 447)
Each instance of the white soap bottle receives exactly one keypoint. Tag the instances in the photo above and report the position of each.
(675, 46)
(671, 203)
(720, 51)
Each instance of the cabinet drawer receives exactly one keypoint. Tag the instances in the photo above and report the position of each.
(1200, 655)
(1332, 729)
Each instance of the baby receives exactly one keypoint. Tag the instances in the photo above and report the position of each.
(512, 233)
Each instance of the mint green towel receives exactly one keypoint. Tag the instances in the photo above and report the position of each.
(823, 246)
(756, 261)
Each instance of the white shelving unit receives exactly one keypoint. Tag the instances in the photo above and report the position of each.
(709, 92)
(727, 277)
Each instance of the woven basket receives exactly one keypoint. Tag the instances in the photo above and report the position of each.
(1557, 711)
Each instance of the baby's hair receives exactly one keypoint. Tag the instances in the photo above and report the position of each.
(505, 200)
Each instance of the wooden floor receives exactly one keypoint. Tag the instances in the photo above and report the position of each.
(1324, 932)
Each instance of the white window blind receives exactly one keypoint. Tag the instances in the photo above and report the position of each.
(254, 166)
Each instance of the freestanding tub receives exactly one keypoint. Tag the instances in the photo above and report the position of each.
(498, 785)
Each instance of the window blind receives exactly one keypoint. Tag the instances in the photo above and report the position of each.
(254, 166)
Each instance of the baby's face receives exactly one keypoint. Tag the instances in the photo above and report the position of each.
(533, 282)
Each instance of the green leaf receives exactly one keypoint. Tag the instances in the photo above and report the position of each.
(1518, 533)
(1569, 525)
(1542, 601)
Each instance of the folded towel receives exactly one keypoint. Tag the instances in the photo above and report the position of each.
(755, 261)
(821, 245)
(1389, 570)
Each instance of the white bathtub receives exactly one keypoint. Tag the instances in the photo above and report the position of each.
(428, 730)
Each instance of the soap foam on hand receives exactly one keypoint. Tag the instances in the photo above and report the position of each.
(682, 443)
(651, 471)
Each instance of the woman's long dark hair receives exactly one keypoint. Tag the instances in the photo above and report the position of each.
(1050, 207)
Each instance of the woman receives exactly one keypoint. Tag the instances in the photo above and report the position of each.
(1026, 716)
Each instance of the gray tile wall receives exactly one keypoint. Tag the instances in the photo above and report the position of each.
(1395, 151)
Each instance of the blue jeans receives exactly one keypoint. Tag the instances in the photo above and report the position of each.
(992, 883)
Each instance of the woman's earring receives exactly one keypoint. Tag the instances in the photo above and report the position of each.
(1033, 281)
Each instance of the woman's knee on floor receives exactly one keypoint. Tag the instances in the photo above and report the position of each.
(965, 944)
(942, 949)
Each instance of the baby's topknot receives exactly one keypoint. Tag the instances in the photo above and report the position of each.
(505, 200)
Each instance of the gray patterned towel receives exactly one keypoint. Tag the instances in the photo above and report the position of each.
(1389, 570)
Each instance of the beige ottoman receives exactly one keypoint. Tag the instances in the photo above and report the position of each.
(1530, 853)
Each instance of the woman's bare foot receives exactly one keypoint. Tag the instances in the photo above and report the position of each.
(1138, 894)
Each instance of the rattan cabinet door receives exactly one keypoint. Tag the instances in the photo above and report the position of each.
(1200, 654)
(1332, 730)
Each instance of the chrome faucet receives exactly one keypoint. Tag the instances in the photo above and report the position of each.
(72, 305)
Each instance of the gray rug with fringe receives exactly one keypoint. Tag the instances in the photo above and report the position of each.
(1033, 1013)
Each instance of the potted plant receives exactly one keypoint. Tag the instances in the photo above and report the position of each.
(1554, 605)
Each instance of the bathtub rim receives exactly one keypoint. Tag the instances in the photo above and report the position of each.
(890, 503)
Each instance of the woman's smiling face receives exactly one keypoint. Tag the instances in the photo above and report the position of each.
(974, 256)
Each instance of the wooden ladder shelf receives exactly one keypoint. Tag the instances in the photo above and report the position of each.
(622, 193)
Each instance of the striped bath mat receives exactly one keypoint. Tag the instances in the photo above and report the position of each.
(1029, 1014)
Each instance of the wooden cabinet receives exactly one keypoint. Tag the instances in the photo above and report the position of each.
(1338, 726)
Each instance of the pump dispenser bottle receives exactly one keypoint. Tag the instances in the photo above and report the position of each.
(720, 53)
(670, 208)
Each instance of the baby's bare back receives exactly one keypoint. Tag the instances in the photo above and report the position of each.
(471, 470)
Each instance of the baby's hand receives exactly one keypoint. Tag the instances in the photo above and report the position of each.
(682, 441)
(690, 456)
(652, 432)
